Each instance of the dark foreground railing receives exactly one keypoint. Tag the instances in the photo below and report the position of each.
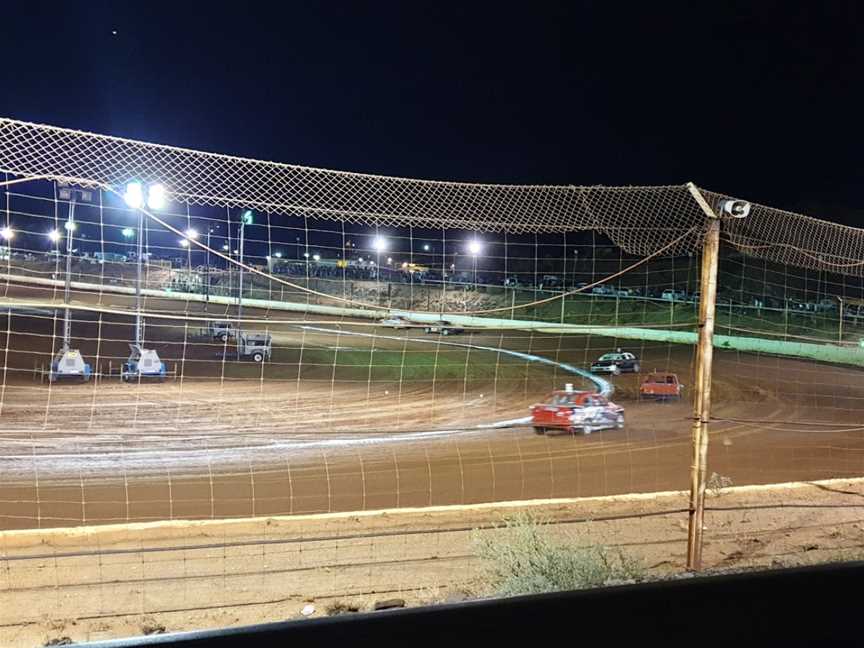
(815, 606)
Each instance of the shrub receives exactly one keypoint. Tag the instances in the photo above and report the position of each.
(717, 483)
(523, 558)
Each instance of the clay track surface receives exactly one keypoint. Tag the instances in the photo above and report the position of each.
(228, 439)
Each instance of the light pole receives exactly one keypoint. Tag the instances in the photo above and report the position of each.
(68, 361)
(379, 244)
(135, 199)
(245, 219)
(840, 332)
(207, 270)
(6, 234)
(475, 248)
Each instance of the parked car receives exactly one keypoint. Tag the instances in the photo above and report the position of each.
(395, 322)
(674, 295)
(550, 281)
(444, 328)
(572, 410)
(661, 386)
(616, 363)
(602, 290)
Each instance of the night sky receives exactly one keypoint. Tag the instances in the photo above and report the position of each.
(760, 100)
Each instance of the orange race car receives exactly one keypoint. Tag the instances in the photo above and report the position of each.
(661, 386)
(576, 410)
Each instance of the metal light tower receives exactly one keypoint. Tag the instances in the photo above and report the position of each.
(475, 247)
(142, 362)
(245, 219)
(68, 363)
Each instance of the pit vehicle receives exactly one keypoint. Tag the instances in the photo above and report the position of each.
(395, 322)
(661, 386)
(615, 363)
(257, 347)
(572, 410)
(444, 328)
(142, 363)
(67, 365)
(222, 331)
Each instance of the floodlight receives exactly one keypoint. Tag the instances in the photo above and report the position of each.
(7, 233)
(134, 195)
(156, 198)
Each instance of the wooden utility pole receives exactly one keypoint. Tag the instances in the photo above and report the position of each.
(702, 396)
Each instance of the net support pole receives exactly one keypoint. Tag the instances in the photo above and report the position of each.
(702, 396)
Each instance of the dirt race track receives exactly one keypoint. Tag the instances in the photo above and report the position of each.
(308, 432)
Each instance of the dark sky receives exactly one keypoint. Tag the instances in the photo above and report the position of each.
(757, 99)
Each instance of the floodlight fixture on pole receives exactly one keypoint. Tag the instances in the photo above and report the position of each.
(191, 233)
(55, 236)
(379, 244)
(316, 257)
(127, 232)
(7, 233)
(184, 243)
(156, 196)
(134, 195)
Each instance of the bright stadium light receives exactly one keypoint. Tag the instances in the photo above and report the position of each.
(475, 247)
(134, 195)
(278, 255)
(316, 257)
(306, 255)
(128, 232)
(55, 235)
(184, 243)
(426, 247)
(360, 259)
(225, 247)
(156, 196)
(389, 259)
(191, 233)
(70, 226)
(379, 244)
(7, 233)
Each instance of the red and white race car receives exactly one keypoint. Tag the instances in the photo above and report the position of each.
(576, 410)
